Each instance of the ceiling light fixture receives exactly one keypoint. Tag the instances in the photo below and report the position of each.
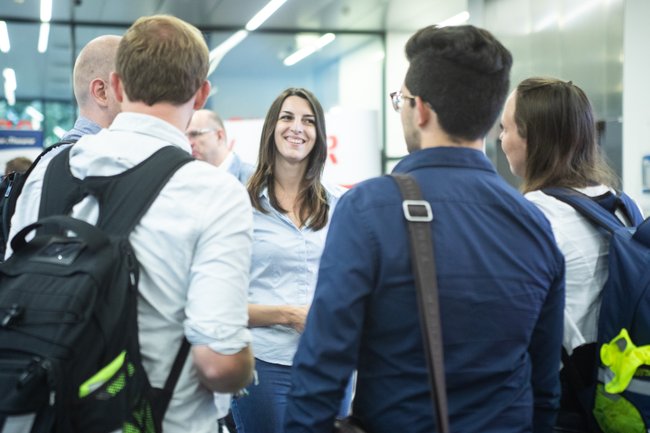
(58, 131)
(264, 14)
(43, 37)
(299, 55)
(456, 20)
(217, 54)
(222, 49)
(10, 78)
(34, 113)
(46, 11)
(44, 33)
(10, 85)
(10, 97)
(5, 46)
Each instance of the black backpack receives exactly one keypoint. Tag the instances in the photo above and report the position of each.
(69, 350)
(610, 378)
(10, 188)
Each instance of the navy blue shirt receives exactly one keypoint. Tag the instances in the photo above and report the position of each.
(501, 283)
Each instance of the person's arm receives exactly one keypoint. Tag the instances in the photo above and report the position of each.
(223, 373)
(268, 315)
(217, 300)
(545, 353)
(328, 349)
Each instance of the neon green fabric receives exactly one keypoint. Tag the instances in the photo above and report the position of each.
(623, 358)
(102, 376)
(615, 414)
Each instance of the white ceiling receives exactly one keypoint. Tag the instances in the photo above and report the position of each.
(48, 75)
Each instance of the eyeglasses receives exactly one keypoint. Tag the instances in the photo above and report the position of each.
(397, 98)
(198, 132)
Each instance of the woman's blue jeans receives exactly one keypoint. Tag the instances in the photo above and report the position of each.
(262, 410)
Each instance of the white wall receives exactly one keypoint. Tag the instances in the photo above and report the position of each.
(396, 67)
(360, 80)
(360, 95)
(636, 97)
(402, 23)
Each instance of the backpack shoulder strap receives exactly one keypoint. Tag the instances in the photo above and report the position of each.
(123, 199)
(587, 207)
(642, 233)
(17, 181)
(631, 209)
(46, 151)
(122, 203)
(61, 190)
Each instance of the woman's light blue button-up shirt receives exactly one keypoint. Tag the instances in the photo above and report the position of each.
(284, 269)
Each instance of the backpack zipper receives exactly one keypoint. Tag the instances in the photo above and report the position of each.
(39, 367)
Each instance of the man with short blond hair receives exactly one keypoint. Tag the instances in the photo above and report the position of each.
(194, 243)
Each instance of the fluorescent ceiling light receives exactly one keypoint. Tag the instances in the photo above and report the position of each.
(4, 37)
(58, 131)
(43, 37)
(455, 20)
(217, 54)
(34, 113)
(10, 85)
(309, 50)
(10, 78)
(10, 96)
(264, 14)
(46, 11)
(221, 50)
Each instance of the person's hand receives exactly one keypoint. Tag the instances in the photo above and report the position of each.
(296, 315)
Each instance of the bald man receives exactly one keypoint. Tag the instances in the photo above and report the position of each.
(91, 77)
(207, 137)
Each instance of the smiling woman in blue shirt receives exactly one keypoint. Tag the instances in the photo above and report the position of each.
(292, 209)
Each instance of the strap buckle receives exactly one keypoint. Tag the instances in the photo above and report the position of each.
(417, 210)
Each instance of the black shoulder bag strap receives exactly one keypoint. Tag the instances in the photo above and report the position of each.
(123, 200)
(583, 392)
(418, 214)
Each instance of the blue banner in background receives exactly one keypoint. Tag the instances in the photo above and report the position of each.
(20, 139)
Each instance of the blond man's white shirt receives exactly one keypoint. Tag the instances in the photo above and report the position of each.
(194, 248)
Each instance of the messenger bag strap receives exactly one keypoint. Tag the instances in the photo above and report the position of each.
(175, 373)
(418, 215)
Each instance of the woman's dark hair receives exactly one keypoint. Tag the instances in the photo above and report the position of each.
(312, 196)
(557, 121)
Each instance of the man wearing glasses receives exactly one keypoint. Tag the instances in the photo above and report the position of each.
(500, 274)
(209, 142)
